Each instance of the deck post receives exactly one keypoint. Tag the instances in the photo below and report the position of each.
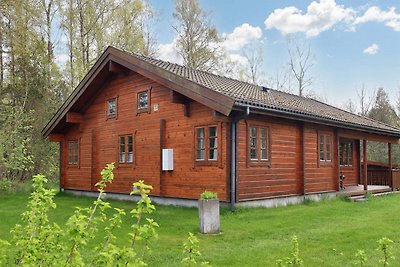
(390, 165)
(365, 171)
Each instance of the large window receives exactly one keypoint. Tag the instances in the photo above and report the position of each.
(112, 108)
(258, 144)
(325, 148)
(207, 143)
(73, 152)
(126, 149)
(346, 153)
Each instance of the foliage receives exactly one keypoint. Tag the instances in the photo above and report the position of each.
(197, 40)
(385, 245)
(191, 252)
(208, 195)
(361, 258)
(294, 259)
(15, 141)
(5, 186)
(38, 242)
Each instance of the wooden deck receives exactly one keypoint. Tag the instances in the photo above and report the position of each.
(356, 190)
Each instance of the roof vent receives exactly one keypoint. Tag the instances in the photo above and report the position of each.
(264, 89)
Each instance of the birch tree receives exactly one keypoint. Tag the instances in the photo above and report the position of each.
(300, 63)
(197, 39)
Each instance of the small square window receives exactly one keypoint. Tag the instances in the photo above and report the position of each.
(112, 108)
(143, 101)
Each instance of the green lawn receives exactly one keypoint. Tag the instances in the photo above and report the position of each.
(329, 232)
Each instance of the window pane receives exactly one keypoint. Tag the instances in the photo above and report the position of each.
(122, 149)
(341, 154)
(213, 154)
(263, 144)
(253, 132)
(253, 143)
(212, 132)
(143, 101)
(321, 148)
(212, 145)
(200, 133)
(264, 154)
(328, 147)
(253, 154)
(111, 107)
(130, 149)
(200, 144)
(200, 154)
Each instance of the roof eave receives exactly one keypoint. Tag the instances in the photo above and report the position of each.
(326, 121)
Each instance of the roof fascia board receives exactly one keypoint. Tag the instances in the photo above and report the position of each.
(89, 77)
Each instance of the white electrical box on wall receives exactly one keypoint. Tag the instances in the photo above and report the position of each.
(168, 159)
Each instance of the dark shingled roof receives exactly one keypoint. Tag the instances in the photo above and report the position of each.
(264, 98)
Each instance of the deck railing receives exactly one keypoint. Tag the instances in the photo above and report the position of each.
(382, 177)
(378, 177)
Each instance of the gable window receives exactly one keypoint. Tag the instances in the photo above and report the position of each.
(126, 149)
(346, 153)
(112, 108)
(143, 103)
(206, 143)
(258, 137)
(325, 148)
(73, 152)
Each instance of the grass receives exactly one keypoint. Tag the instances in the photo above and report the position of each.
(329, 232)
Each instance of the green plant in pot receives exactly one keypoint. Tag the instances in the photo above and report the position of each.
(209, 222)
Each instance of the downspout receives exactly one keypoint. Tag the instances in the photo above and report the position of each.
(234, 122)
(59, 164)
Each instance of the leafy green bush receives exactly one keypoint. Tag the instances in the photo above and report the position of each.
(38, 242)
(208, 195)
(5, 186)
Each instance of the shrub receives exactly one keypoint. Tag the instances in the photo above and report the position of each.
(208, 195)
(38, 242)
(5, 186)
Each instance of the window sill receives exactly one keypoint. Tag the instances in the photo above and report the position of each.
(125, 165)
(206, 163)
(347, 167)
(326, 163)
(258, 163)
(75, 166)
(139, 111)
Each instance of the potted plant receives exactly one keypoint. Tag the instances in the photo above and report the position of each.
(209, 213)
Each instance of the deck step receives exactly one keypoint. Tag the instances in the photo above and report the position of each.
(359, 198)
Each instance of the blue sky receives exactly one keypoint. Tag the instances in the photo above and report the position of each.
(353, 42)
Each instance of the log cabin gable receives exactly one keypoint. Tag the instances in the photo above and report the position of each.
(114, 62)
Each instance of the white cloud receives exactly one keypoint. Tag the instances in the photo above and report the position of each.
(320, 16)
(241, 36)
(168, 52)
(375, 14)
(238, 59)
(371, 50)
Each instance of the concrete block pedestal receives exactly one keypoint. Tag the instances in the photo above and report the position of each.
(209, 216)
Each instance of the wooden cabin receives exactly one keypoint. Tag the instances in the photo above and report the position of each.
(184, 131)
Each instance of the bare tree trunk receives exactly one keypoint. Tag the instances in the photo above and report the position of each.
(70, 43)
(1, 55)
(300, 62)
(48, 10)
